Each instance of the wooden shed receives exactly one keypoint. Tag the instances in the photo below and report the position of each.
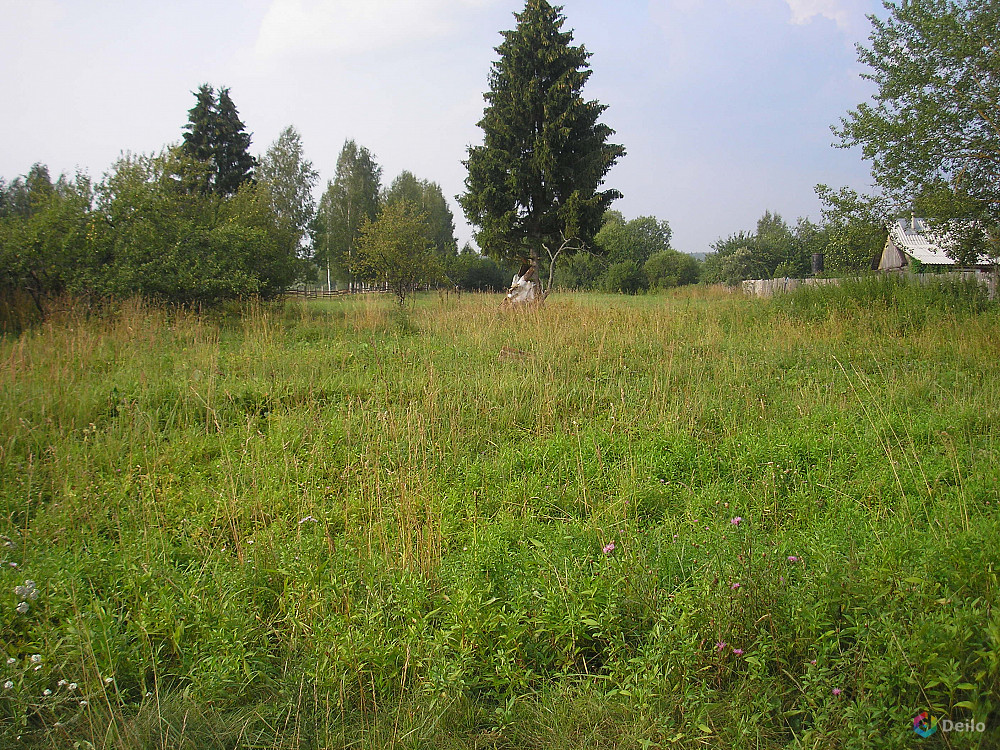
(912, 240)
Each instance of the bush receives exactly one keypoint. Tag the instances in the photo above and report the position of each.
(626, 277)
(671, 268)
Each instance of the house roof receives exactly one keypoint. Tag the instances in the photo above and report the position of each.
(914, 237)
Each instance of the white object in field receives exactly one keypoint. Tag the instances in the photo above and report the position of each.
(522, 291)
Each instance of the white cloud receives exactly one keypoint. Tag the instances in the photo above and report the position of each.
(804, 11)
(352, 26)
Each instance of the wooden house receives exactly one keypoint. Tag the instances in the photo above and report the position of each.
(912, 240)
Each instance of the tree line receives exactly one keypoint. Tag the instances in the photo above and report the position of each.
(204, 221)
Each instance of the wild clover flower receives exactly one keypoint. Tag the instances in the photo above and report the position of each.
(734, 586)
(22, 608)
(720, 645)
(837, 691)
(736, 521)
(737, 652)
(792, 559)
(608, 548)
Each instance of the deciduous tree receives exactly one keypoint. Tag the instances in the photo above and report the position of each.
(397, 249)
(289, 179)
(934, 124)
(351, 199)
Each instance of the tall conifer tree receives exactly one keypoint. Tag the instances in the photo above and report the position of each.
(533, 185)
(216, 135)
(233, 163)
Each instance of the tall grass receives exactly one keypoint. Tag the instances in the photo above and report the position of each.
(309, 526)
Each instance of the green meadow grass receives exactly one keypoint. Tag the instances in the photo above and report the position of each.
(323, 524)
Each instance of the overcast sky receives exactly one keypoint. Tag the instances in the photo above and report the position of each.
(724, 106)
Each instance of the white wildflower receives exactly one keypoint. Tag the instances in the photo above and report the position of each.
(8, 685)
(72, 686)
(22, 608)
(36, 658)
(46, 692)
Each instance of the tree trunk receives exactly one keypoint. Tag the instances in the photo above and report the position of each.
(525, 288)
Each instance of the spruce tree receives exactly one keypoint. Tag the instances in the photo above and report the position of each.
(533, 185)
(216, 136)
(201, 127)
(233, 163)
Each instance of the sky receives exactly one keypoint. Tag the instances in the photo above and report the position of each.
(724, 106)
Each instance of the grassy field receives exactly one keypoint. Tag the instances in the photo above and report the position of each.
(687, 521)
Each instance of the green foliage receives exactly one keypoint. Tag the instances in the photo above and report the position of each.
(397, 249)
(152, 236)
(472, 272)
(907, 302)
(289, 178)
(216, 136)
(774, 250)
(670, 268)
(932, 124)
(626, 277)
(431, 201)
(43, 234)
(635, 240)
(350, 200)
(534, 183)
(582, 271)
(854, 229)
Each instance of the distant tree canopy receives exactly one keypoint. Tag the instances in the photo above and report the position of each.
(629, 257)
(351, 199)
(533, 187)
(188, 225)
(429, 199)
(774, 250)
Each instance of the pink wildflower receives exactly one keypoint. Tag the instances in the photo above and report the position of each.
(792, 558)
(609, 548)
(720, 645)
(837, 691)
(736, 521)
(735, 586)
(737, 652)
